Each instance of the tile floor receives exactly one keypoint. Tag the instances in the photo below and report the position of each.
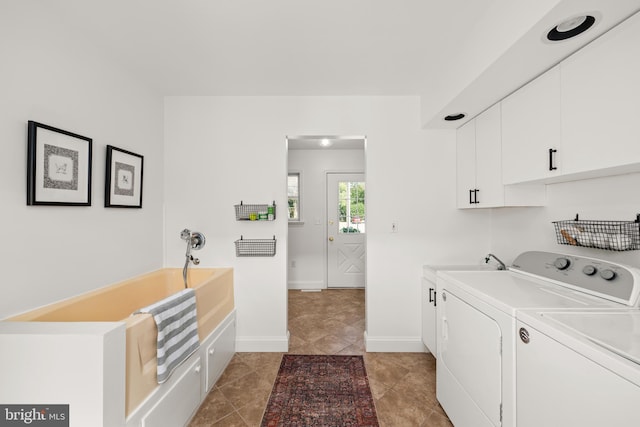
(327, 322)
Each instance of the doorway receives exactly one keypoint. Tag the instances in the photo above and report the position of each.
(324, 240)
(346, 228)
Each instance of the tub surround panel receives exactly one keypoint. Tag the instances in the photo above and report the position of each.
(214, 301)
(79, 364)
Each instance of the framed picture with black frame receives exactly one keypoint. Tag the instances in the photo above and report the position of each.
(123, 181)
(58, 167)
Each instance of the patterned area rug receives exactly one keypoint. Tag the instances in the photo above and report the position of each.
(321, 390)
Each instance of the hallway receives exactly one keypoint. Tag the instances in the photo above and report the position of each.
(327, 322)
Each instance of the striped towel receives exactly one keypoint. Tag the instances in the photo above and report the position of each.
(177, 324)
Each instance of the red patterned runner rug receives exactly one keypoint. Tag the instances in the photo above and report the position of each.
(321, 390)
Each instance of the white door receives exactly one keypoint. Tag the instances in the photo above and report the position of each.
(346, 246)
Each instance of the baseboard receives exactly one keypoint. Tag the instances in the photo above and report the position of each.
(393, 344)
(306, 284)
(262, 344)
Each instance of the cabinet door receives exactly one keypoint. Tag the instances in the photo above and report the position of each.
(489, 159)
(601, 101)
(530, 128)
(429, 316)
(466, 164)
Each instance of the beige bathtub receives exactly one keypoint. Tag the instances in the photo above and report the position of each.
(214, 301)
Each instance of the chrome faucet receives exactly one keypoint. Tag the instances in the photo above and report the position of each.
(195, 240)
(502, 266)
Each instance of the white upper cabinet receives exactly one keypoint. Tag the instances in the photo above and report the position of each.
(531, 130)
(601, 102)
(479, 167)
(489, 159)
(466, 164)
(478, 162)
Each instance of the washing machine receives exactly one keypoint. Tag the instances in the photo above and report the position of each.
(476, 368)
(578, 368)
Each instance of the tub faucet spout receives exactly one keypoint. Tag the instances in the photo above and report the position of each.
(501, 265)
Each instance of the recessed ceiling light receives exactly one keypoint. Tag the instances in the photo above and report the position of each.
(571, 28)
(454, 117)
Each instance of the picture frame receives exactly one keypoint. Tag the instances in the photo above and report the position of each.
(58, 166)
(123, 181)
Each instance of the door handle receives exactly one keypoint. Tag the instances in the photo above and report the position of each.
(552, 167)
(432, 297)
(445, 329)
(331, 238)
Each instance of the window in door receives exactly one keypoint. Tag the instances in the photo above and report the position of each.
(293, 195)
(351, 215)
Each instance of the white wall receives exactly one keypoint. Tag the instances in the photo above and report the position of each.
(56, 78)
(221, 150)
(307, 239)
(515, 230)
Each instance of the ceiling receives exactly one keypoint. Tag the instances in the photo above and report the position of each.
(274, 47)
(458, 55)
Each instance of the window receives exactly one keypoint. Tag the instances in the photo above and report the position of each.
(293, 195)
(351, 207)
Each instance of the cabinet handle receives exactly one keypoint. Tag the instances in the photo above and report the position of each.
(431, 298)
(471, 192)
(197, 369)
(211, 352)
(476, 196)
(551, 153)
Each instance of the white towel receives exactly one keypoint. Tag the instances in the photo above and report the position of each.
(177, 324)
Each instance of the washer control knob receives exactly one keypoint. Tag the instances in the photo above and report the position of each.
(562, 263)
(608, 274)
(589, 270)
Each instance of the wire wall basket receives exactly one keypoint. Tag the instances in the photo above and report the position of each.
(255, 247)
(255, 212)
(610, 235)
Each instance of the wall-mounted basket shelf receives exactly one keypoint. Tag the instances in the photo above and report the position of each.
(255, 247)
(610, 235)
(244, 212)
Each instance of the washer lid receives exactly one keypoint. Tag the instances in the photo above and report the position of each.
(509, 291)
(618, 332)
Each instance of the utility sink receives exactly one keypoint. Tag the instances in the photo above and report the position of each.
(429, 271)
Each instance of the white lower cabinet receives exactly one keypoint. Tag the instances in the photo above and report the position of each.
(180, 401)
(175, 402)
(219, 353)
(429, 315)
